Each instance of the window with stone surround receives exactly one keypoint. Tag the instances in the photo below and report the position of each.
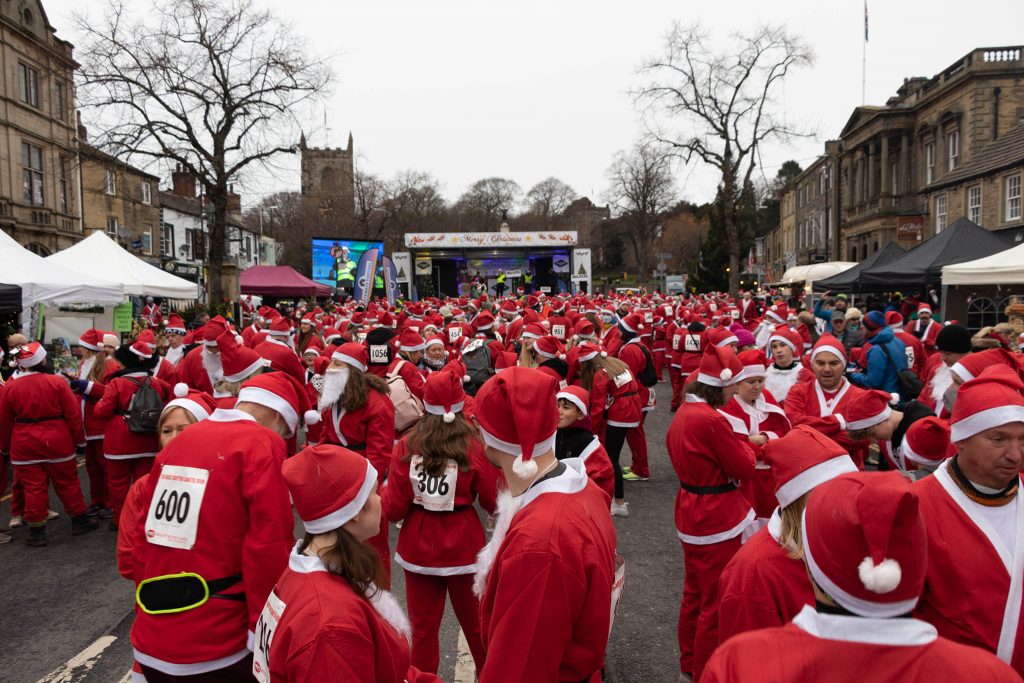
(28, 84)
(929, 162)
(953, 145)
(940, 213)
(32, 174)
(1013, 198)
(974, 204)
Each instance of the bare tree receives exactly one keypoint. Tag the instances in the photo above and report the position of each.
(640, 190)
(718, 107)
(485, 200)
(549, 198)
(213, 85)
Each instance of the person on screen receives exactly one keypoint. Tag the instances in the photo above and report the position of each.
(344, 267)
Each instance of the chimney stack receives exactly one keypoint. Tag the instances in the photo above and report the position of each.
(83, 132)
(183, 183)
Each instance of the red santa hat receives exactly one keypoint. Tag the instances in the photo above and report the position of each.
(753, 361)
(281, 393)
(141, 349)
(995, 398)
(829, 344)
(516, 413)
(483, 321)
(786, 335)
(352, 353)
(329, 485)
(410, 341)
(331, 334)
(578, 396)
(214, 329)
(924, 307)
(148, 338)
(865, 409)
(865, 543)
(779, 313)
(972, 365)
(635, 323)
(589, 351)
(434, 340)
(719, 366)
(280, 327)
(175, 325)
(198, 403)
(803, 459)
(549, 347)
(238, 361)
(584, 328)
(505, 360)
(533, 331)
(308, 319)
(91, 339)
(927, 442)
(28, 355)
(894, 320)
(722, 336)
(444, 394)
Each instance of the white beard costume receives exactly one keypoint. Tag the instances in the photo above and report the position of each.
(335, 380)
(941, 381)
(86, 367)
(213, 365)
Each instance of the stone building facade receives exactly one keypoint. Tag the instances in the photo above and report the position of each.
(121, 200)
(891, 156)
(39, 196)
(817, 210)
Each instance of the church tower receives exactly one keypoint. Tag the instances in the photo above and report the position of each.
(327, 178)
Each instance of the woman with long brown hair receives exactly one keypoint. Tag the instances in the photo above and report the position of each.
(329, 617)
(358, 415)
(438, 470)
(614, 408)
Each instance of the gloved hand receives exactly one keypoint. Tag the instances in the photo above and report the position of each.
(79, 385)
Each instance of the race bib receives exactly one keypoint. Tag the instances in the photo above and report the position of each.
(265, 628)
(910, 356)
(676, 341)
(453, 334)
(436, 494)
(378, 354)
(692, 343)
(558, 331)
(648, 318)
(173, 518)
(622, 379)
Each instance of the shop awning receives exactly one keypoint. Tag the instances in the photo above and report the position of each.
(281, 281)
(813, 272)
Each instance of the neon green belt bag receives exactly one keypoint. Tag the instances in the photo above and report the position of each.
(175, 593)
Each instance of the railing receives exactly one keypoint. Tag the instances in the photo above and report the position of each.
(1001, 54)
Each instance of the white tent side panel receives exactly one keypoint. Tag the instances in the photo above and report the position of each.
(1002, 268)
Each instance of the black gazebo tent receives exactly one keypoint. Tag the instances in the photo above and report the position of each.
(10, 298)
(848, 281)
(922, 265)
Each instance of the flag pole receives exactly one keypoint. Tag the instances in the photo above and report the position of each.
(864, 59)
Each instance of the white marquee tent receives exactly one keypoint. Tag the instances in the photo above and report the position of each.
(99, 253)
(43, 281)
(1002, 268)
(815, 271)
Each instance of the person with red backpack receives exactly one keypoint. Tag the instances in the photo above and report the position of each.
(130, 441)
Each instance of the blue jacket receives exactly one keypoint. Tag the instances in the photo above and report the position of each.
(882, 373)
(824, 314)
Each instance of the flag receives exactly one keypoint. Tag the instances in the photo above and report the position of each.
(865, 21)
(751, 262)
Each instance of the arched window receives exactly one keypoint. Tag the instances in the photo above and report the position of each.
(37, 248)
(981, 312)
(864, 251)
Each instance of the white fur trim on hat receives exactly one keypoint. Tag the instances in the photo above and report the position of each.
(573, 399)
(749, 371)
(35, 359)
(985, 419)
(140, 354)
(344, 358)
(713, 381)
(812, 477)
(583, 358)
(543, 446)
(731, 339)
(838, 353)
(870, 421)
(239, 376)
(345, 513)
(780, 338)
(439, 410)
(413, 348)
(197, 410)
(961, 371)
(271, 400)
(91, 347)
(434, 341)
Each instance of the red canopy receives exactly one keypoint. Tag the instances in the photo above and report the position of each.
(280, 281)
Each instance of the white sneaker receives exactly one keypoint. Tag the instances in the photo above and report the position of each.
(620, 509)
(50, 514)
(16, 521)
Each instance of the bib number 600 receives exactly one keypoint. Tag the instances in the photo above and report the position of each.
(172, 507)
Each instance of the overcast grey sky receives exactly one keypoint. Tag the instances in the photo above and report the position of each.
(526, 89)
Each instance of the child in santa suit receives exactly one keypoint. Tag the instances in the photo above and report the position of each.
(327, 618)
(785, 370)
(866, 552)
(754, 415)
(357, 414)
(437, 473)
(711, 512)
(129, 454)
(41, 428)
(546, 578)
(575, 439)
(765, 584)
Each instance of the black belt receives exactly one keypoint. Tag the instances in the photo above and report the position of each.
(628, 393)
(709, 490)
(356, 446)
(32, 420)
(457, 508)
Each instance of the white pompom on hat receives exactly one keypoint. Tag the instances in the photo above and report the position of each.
(444, 394)
(198, 403)
(719, 366)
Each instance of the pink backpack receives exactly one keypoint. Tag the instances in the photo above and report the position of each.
(408, 407)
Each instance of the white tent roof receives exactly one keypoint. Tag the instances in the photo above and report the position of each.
(815, 271)
(1002, 268)
(42, 281)
(99, 253)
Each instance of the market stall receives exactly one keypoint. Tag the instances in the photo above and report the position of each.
(980, 292)
(281, 282)
(848, 281)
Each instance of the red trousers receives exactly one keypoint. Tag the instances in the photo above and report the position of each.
(96, 467)
(637, 440)
(121, 474)
(37, 478)
(424, 595)
(658, 355)
(17, 490)
(698, 613)
(676, 377)
(381, 544)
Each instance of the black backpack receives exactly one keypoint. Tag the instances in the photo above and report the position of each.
(648, 376)
(910, 384)
(477, 359)
(143, 414)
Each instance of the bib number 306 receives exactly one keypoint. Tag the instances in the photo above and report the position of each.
(435, 493)
(173, 518)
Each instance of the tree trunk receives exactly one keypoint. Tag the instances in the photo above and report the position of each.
(218, 195)
(731, 221)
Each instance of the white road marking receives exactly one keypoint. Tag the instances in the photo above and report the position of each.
(465, 670)
(127, 678)
(79, 666)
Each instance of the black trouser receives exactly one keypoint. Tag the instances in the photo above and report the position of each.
(239, 672)
(614, 438)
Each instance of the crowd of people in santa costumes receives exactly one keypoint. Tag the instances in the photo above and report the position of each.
(446, 417)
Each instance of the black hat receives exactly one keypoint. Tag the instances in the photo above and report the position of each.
(954, 338)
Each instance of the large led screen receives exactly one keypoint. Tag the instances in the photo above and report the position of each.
(335, 261)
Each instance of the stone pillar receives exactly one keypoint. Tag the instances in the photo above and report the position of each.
(851, 175)
(906, 168)
(884, 182)
(871, 161)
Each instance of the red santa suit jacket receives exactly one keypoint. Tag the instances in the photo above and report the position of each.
(119, 443)
(249, 335)
(807, 404)
(634, 355)
(561, 327)
(282, 358)
(315, 628)
(411, 374)
(40, 420)
(928, 336)
(766, 418)
(165, 371)
(244, 526)
(190, 370)
(578, 441)
(762, 586)
(964, 543)
(937, 379)
(370, 430)
(93, 393)
(546, 582)
(839, 649)
(705, 451)
(611, 340)
(441, 534)
(625, 408)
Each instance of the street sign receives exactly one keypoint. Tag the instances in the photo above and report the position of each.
(513, 273)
